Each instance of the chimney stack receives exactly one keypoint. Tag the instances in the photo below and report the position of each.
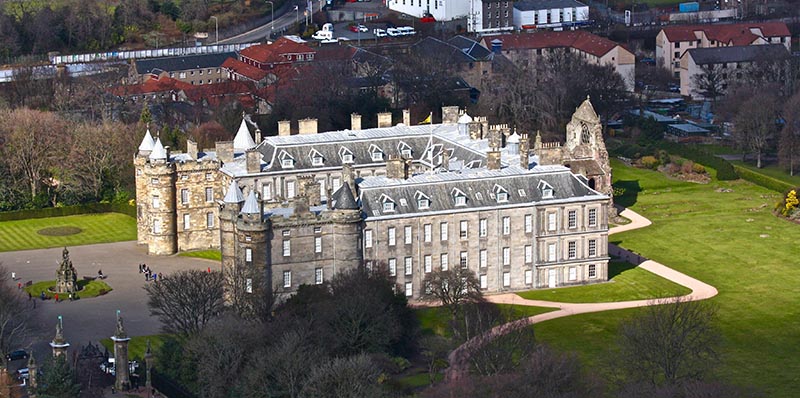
(355, 122)
(446, 159)
(449, 115)
(524, 151)
(253, 159)
(493, 159)
(385, 119)
(224, 151)
(258, 135)
(284, 128)
(407, 117)
(396, 167)
(307, 126)
(191, 148)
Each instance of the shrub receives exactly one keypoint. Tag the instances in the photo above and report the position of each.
(699, 168)
(649, 162)
(687, 166)
(69, 211)
(725, 170)
(672, 168)
(763, 180)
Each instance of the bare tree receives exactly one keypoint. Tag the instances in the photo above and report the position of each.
(670, 341)
(186, 301)
(15, 315)
(452, 288)
(349, 377)
(789, 148)
(710, 83)
(756, 122)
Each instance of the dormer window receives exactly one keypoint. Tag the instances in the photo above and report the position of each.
(500, 194)
(475, 164)
(423, 201)
(316, 158)
(346, 155)
(546, 189)
(287, 161)
(375, 153)
(459, 197)
(405, 149)
(388, 204)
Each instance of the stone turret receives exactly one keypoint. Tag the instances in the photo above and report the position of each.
(228, 214)
(122, 369)
(155, 196)
(59, 344)
(250, 270)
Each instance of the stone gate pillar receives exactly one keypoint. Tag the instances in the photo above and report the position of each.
(32, 375)
(148, 361)
(121, 367)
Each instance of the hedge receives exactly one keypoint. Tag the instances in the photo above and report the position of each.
(725, 170)
(763, 180)
(69, 211)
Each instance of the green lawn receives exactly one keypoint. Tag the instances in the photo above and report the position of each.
(88, 289)
(627, 283)
(215, 255)
(717, 238)
(138, 345)
(96, 228)
(435, 320)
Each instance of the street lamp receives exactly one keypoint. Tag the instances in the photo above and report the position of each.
(272, 22)
(216, 29)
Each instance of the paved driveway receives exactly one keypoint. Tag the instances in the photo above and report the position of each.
(91, 319)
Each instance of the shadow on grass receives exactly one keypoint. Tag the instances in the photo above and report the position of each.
(632, 189)
(617, 267)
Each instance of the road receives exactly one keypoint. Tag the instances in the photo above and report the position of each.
(284, 18)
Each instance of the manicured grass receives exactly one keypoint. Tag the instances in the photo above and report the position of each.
(95, 228)
(773, 171)
(418, 380)
(436, 320)
(138, 345)
(716, 149)
(215, 255)
(627, 283)
(715, 237)
(87, 289)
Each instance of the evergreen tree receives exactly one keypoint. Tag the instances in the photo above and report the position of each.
(58, 380)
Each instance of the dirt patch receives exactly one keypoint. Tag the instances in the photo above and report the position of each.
(59, 231)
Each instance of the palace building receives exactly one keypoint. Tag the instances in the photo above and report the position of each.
(297, 209)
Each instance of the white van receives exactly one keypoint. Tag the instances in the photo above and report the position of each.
(379, 32)
(322, 35)
(393, 32)
(328, 27)
(406, 31)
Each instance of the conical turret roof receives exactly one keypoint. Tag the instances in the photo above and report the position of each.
(243, 141)
(234, 194)
(158, 152)
(513, 138)
(147, 142)
(251, 204)
(343, 199)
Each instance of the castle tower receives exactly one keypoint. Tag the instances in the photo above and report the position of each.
(345, 214)
(158, 210)
(228, 213)
(586, 152)
(59, 344)
(139, 162)
(121, 367)
(251, 273)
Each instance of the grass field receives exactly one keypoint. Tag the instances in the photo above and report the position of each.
(627, 283)
(138, 345)
(206, 254)
(730, 240)
(88, 289)
(436, 320)
(95, 228)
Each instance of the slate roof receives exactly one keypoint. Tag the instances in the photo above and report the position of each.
(737, 33)
(343, 199)
(717, 55)
(578, 39)
(480, 187)
(471, 47)
(433, 47)
(529, 5)
(187, 62)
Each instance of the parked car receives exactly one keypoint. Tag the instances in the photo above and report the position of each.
(362, 29)
(393, 32)
(406, 31)
(379, 33)
(16, 355)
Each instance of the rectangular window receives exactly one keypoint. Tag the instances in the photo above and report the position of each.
(463, 256)
(428, 262)
(249, 285)
(506, 225)
(592, 217)
(551, 252)
(506, 256)
(156, 226)
(528, 276)
(483, 258)
(287, 248)
(318, 276)
(482, 227)
(443, 231)
(154, 181)
(528, 223)
(572, 219)
(484, 281)
(528, 254)
(290, 189)
(506, 279)
(463, 229)
(392, 236)
(209, 220)
(409, 289)
(443, 260)
(572, 250)
(407, 264)
(368, 238)
(592, 247)
(592, 271)
(407, 236)
(266, 191)
(186, 221)
(184, 196)
(392, 267)
(317, 244)
(426, 231)
(209, 194)
(551, 221)
(248, 254)
(573, 273)
(287, 278)
(337, 183)
(156, 202)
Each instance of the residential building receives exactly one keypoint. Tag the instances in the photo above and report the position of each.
(526, 49)
(494, 16)
(442, 10)
(297, 209)
(467, 58)
(673, 41)
(555, 14)
(730, 63)
(193, 69)
(262, 63)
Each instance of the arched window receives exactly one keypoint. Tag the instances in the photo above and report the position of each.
(585, 137)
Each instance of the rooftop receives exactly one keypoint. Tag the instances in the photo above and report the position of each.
(186, 62)
(530, 5)
(717, 55)
(737, 33)
(579, 39)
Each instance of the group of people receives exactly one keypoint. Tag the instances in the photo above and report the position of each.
(148, 274)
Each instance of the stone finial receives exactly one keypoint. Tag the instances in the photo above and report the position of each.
(120, 332)
(59, 337)
(537, 144)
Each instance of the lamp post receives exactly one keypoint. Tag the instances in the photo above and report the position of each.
(296, 14)
(272, 21)
(216, 29)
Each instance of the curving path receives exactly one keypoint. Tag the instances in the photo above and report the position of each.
(459, 358)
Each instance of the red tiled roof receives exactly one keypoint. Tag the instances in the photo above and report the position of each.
(155, 84)
(208, 91)
(738, 34)
(581, 40)
(266, 53)
(248, 71)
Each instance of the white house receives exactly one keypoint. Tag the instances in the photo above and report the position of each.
(534, 14)
(442, 10)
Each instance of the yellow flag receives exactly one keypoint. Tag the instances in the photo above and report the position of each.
(427, 119)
